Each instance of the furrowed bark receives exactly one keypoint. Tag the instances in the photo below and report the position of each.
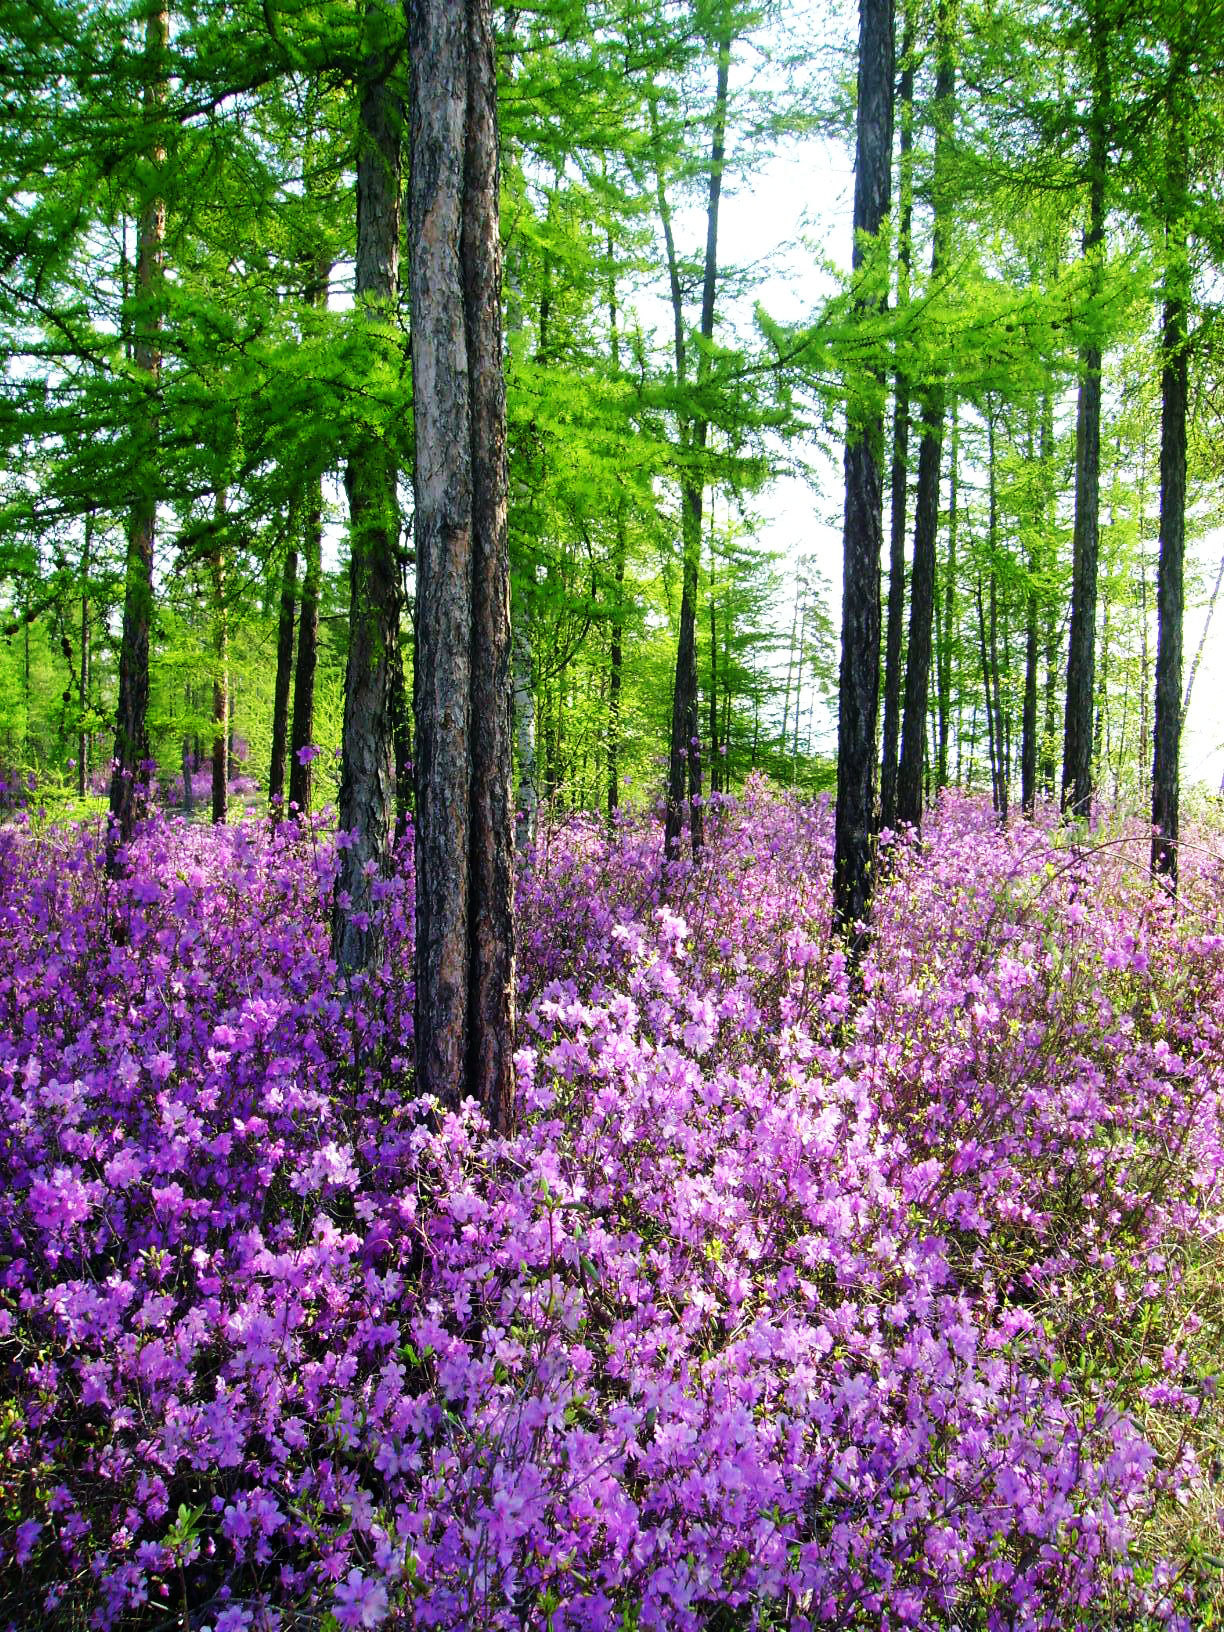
(464, 818)
(862, 533)
(367, 779)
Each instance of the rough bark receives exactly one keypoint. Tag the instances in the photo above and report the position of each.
(863, 526)
(1081, 642)
(899, 479)
(367, 776)
(930, 455)
(464, 826)
(284, 676)
(129, 777)
(1170, 591)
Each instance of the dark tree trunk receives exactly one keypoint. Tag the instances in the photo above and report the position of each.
(301, 735)
(301, 732)
(616, 632)
(367, 776)
(900, 457)
(464, 825)
(1081, 642)
(220, 745)
(948, 631)
(188, 790)
(684, 760)
(863, 526)
(83, 687)
(129, 778)
(1028, 732)
(616, 662)
(284, 676)
(930, 456)
(1170, 597)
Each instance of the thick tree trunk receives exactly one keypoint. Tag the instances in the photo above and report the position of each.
(900, 457)
(129, 778)
(367, 777)
(863, 526)
(284, 676)
(1081, 654)
(930, 456)
(1170, 596)
(464, 827)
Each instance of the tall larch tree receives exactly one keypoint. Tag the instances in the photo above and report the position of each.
(367, 781)
(862, 533)
(930, 459)
(131, 723)
(464, 813)
(1081, 640)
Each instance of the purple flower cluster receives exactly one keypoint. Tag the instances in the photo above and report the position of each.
(794, 1303)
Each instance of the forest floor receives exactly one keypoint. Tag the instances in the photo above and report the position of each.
(797, 1301)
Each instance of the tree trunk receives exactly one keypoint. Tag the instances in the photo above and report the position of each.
(464, 828)
(367, 776)
(900, 458)
(948, 632)
(83, 686)
(930, 455)
(863, 525)
(684, 762)
(129, 778)
(1081, 656)
(220, 745)
(1170, 597)
(284, 676)
(524, 727)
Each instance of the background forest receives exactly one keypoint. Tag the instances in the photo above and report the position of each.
(186, 367)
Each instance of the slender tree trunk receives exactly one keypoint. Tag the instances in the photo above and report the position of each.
(616, 632)
(83, 686)
(525, 726)
(284, 676)
(1077, 731)
(948, 631)
(1028, 733)
(464, 827)
(220, 689)
(615, 665)
(129, 779)
(685, 753)
(1170, 594)
(367, 777)
(188, 790)
(863, 525)
(900, 457)
(301, 736)
(714, 764)
(926, 505)
(301, 733)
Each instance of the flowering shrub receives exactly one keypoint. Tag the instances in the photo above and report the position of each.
(794, 1303)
